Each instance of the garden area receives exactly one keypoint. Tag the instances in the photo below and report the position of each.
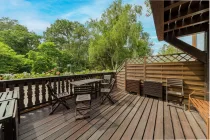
(69, 47)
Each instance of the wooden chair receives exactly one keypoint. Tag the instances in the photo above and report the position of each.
(106, 80)
(175, 83)
(107, 91)
(83, 101)
(201, 106)
(59, 98)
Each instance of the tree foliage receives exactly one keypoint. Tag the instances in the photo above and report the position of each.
(11, 62)
(168, 49)
(45, 58)
(17, 36)
(99, 44)
(117, 35)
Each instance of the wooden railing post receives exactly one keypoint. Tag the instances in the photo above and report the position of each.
(126, 61)
(145, 61)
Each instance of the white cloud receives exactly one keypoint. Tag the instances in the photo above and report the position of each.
(85, 12)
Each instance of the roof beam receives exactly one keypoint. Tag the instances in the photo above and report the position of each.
(188, 31)
(158, 16)
(199, 55)
(187, 15)
(188, 23)
(174, 5)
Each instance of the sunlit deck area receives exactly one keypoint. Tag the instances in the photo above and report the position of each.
(131, 117)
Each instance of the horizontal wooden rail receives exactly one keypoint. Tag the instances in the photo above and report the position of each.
(33, 92)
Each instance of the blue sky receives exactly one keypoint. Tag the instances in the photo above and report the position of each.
(37, 15)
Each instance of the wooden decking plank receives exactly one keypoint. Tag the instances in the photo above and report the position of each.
(110, 110)
(185, 125)
(178, 132)
(159, 122)
(168, 128)
(132, 122)
(123, 126)
(65, 128)
(102, 125)
(71, 128)
(50, 125)
(66, 118)
(149, 131)
(34, 116)
(132, 126)
(200, 121)
(49, 118)
(139, 132)
(195, 127)
(72, 105)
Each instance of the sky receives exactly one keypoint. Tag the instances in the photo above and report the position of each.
(37, 15)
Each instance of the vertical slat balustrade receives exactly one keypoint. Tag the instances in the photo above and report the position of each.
(55, 85)
(22, 96)
(49, 97)
(29, 94)
(63, 85)
(43, 91)
(67, 85)
(33, 92)
(37, 100)
(71, 87)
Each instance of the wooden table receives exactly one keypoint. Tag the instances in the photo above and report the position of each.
(95, 81)
(9, 118)
(8, 95)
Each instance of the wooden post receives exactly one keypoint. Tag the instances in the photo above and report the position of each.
(194, 40)
(145, 61)
(125, 72)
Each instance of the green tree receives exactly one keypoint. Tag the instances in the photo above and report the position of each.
(168, 49)
(11, 62)
(116, 36)
(72, 38)
(148, 7)
(45, 57)
(17, 36)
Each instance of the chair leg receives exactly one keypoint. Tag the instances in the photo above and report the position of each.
(53, 109)
(64, 103)
(65, 106)
(189, 104)
(110, 99)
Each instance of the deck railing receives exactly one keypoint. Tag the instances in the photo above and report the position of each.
(33, 92)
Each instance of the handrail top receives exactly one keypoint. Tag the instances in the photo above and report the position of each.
(52, 77)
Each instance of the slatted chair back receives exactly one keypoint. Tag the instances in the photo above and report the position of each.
(52, 92)
(85, 89)
(175, 83)
(107, 78)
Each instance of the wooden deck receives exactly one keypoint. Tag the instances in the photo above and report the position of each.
(131, 117)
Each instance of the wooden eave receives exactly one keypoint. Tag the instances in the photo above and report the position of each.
(175, 18)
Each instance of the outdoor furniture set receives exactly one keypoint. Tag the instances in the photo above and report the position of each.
(84, 91)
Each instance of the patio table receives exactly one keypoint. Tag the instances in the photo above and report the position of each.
(11, 95)
(92, 81)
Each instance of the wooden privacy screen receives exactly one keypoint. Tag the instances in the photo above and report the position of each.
(158, 68)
